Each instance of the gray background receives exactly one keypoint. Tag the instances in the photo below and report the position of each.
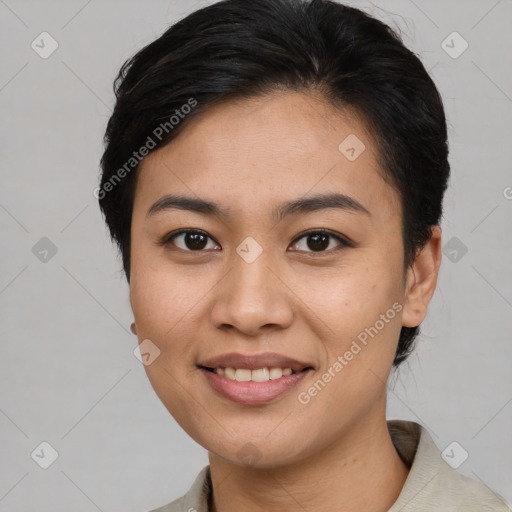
(67, 370)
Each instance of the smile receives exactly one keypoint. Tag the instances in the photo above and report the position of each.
(258, 375)
(253, 379)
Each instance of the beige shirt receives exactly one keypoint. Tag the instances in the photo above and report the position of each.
(432, 485)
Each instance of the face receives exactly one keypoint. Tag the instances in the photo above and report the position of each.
(289, 255)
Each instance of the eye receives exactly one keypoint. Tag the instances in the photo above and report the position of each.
(196, 240)
(189, 240)
(320, 241)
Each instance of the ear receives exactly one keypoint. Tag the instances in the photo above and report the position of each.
(421, 281)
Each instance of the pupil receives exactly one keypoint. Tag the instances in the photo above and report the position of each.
(321, 241)
(316, 242)
(193, 241)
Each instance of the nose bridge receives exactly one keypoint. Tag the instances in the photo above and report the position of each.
(251, 279)
(254, 273)
(251, 295)
(252, 261)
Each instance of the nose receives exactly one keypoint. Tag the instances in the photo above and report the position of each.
(252, 298)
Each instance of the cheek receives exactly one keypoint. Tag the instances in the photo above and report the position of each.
(363, 315)
(170, 305)
(353, 297)
(162, 303)
(361, 307)
(165, 307)
(159, 290)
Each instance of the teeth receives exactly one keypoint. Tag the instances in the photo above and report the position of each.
(242, 375)
(276, 373)
(259, 375)
(229, 373)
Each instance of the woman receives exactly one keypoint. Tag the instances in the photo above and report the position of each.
(273, 176)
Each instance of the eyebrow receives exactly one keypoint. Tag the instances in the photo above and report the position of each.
(298, 206)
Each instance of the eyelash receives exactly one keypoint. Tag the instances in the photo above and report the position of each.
(344, 242)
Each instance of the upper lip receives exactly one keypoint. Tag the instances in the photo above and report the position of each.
(253, 362)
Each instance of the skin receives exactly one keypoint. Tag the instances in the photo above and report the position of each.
(335, 452)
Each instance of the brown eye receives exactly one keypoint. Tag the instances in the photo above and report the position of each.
(190, 240)
(319, 241)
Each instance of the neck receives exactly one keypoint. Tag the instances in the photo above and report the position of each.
(361, 471)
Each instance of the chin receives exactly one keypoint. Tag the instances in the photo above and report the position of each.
(261, 454)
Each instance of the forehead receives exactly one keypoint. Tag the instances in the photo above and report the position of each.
(263, 150)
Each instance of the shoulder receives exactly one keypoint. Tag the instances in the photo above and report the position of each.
(175, 506)
(452, 491)
(432, 484)
(196, 499)
(472, 495)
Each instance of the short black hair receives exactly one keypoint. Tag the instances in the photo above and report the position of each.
(241, 49)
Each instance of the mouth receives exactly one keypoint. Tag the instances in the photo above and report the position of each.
(253, 380)
(258, 375)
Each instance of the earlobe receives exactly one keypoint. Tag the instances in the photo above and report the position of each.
(133, 328)
(421, 281)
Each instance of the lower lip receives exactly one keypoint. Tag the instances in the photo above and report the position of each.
(252, 393)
